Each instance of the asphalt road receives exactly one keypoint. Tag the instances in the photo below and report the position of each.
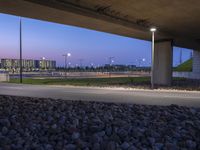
(119, 95)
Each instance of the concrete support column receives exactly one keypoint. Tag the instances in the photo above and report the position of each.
(163, 56)
(196, 63)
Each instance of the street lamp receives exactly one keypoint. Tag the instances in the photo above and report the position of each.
(92, 65)
(153, 30)
(110, 64)
(43, 63)
(69, 64)
(20, 43)
(66, 55)
(143, 61)
(111, 60)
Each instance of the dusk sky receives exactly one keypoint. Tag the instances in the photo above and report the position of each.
(51, 40)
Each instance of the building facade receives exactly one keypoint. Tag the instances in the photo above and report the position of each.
(27, 64)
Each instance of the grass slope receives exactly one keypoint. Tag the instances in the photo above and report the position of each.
(184, 67)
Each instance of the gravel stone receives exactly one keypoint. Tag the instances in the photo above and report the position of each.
(132, 148)
(151, 140)
(111, 146)
(191, 144)
(96, 146)
(4, 130)
(42, 123)
(70, 147)
(75, 135)
(158, 146)
(125, 145)
(122, 133)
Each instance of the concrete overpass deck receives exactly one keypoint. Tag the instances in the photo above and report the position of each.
(175, 20)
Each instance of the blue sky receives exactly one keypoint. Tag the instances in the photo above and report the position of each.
(51, 40)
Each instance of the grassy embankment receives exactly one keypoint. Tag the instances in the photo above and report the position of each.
(184, 67)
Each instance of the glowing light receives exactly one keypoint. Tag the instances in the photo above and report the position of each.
(153, 29)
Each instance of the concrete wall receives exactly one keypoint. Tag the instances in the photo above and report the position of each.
(196, 62)
(188, 75)
(162, 74)
(4, 77)
(195, 74)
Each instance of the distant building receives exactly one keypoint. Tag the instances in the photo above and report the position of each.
(27, 64)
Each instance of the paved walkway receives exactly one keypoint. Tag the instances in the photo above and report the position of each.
(136, 96)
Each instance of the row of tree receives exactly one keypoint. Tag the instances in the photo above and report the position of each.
(106, 68)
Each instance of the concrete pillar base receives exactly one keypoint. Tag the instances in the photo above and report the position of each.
(163, 56)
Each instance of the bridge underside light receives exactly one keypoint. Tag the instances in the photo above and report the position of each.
(153, 29)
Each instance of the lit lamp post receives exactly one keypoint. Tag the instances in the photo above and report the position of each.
(20, 43)
(110, 64)
(43, 63)
(143, 61)
(91, 64)
(66, 55)
(69, 64)
(153, 30)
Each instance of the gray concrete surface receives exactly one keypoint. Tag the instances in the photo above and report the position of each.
(187, 75)
(176, 20)
(196, 63)
(119, 95)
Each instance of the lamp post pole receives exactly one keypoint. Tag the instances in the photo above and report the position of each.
(110, 64)
(65, 66)
(66, 55)
(153, 30)
(20, 62)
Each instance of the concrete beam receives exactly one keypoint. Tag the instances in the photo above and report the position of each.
(162, 74)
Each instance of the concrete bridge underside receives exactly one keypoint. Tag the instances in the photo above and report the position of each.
(177, 22)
